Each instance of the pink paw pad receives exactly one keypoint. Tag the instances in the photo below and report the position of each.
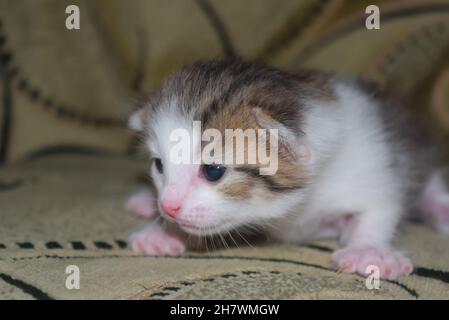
(156, 243)
(142, 204)
(391, 264)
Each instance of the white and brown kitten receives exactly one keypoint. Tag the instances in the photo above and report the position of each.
(350, 165)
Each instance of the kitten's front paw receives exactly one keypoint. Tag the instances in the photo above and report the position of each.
(156, 242)
(142, 204)
(392, 264)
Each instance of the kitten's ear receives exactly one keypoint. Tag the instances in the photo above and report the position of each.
(287, 137)
(265, 121)
(135, 121)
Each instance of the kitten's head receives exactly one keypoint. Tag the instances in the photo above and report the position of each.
(224, 192)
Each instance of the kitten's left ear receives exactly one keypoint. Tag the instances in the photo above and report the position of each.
(287, 137)
(135, 121)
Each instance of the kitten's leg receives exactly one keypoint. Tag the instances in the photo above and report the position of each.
(154, 240)
(335, 227)
(369, 244)
(143, 204)
(434, 203)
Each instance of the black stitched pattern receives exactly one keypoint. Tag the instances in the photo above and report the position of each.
(102, 245)
(320, 248)
(411, 291)
(53, 245)
(430, 273)
(75, 245)
(253, 272)
(35, 95)
(78, 245)
(219, 28)
(25, 245)
(353, 25)
(291, 30)
(25, 287)
(121, 244)
(5, 79)
(170, 289)
(424, 34)
(229, 275)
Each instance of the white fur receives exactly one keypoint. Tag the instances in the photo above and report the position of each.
(351, 173)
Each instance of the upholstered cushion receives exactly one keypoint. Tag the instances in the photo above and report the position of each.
(69, 92)
(59, 211)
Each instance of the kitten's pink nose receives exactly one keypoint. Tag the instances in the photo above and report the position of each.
(172, 208)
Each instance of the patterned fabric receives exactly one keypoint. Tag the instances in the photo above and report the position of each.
(68, 210)
(72, 89)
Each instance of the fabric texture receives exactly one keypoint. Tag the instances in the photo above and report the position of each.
(65, 96)
(61, 211)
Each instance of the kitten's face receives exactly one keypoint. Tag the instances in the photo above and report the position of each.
(218, 197)
(213, 198)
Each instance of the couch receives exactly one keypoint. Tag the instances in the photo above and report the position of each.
(68, 162)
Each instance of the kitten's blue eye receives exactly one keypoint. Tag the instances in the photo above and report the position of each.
(158, 164)
(213, 172)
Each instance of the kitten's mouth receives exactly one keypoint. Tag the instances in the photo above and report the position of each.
(200, 230)
(207, 230)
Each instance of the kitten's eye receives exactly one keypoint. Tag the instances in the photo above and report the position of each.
(158, 164)
(213, 173)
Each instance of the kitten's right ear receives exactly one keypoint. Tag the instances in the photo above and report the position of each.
(135, 121)
(287, 137)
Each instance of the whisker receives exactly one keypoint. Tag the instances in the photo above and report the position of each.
(243, 238)
(205, 242)
(213, 243)
(223, 240)
(233, 240)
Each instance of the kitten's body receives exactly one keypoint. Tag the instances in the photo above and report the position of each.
(367, 159)
(350, 165)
